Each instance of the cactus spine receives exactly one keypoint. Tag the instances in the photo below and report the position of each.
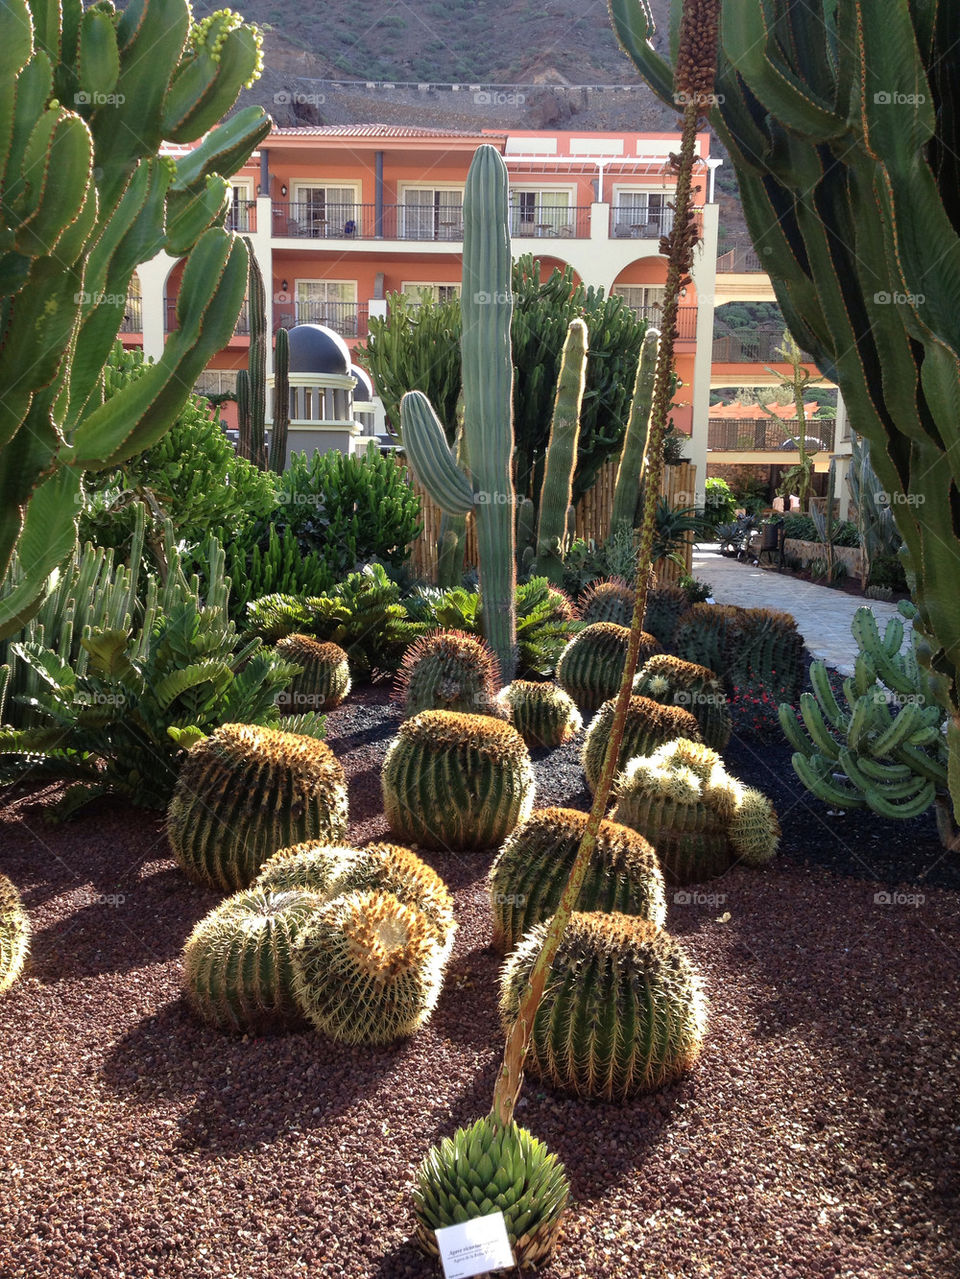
(673, 681)
(14, 934)
(664, 609)
(648, 726)
(324, 680)
(611, 599)
(561, 458)
(622, 1012)
(528, 876)
(627, 489)
(280, 430)
(487, 309)
(591, 666)
(449, 671)
(543, 714)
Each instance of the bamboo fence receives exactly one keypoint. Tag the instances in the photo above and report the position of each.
(592, 520)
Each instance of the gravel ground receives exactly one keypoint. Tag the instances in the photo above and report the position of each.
(818, 1136)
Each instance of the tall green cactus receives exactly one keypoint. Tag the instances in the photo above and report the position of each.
(88, 99)
(840, 121)
(487, 307)
(281, 401)
(561, 457)
(627, 489)
(257, 359)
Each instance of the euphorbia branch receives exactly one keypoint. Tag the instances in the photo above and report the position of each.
(696, 65)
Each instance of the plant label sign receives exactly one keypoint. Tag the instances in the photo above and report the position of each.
(475, 1247)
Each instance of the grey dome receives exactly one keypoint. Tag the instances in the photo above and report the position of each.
(363, 391)
(317, 349)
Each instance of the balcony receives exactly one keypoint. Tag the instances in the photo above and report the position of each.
(242, 217)
(765, 434)
(349, 319)
(300, 221)
(741, 260)
(561, 223)
(240, 329)
(635, 224)
(132, 321)
(686, 319)
(753, 347)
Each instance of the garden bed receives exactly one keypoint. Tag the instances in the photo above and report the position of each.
(818, 1136)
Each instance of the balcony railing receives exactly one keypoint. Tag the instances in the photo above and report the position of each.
(754, 435)
(349, 319)
(637, 224)
(302, 221)
(132, 321)
(741, 258)
(753, 347)
(242, 216)
(561, 223)
(240, 329)
(686, 319)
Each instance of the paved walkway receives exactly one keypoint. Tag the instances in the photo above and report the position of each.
(823, 615)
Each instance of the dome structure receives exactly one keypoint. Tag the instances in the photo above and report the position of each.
(317, 349)
(364, 388)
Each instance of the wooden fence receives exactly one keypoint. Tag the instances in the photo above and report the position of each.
(592, 514)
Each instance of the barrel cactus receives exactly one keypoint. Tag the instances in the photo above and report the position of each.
(530, 873)
(708, 635)
(367, 968)
(753, 829)
(672, 681)
(623, 1010)
(14, 934)
(237, 971)
(325, 679)
(448, 671)
(456, 781)
(664, 608)
(488, 1168)
(335, 870)
(609, 600)
(591, 666)
(245, 791)
(648, 726)
(543, 714)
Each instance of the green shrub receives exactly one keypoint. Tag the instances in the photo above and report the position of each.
(720, 504)
(800, 527)
(276, 567)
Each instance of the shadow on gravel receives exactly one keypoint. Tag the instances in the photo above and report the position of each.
(467, 1011)
(407, 1260)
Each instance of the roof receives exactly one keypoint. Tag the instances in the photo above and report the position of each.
(738, 411)
(377, 131)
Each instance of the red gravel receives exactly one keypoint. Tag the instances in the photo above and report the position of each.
(819, 1135)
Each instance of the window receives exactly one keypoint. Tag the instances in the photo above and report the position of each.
(431, 292)
(240, 212)
(536, 212)
(216, 382)
(641, 214)
(132, 321)
(645, 300)
(432, 214)
(321, 211)
(329, 302)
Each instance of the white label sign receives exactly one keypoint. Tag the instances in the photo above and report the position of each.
(474, 1247)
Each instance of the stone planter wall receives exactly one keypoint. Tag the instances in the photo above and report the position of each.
(794, 548)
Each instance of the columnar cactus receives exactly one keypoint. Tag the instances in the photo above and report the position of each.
(237, 971)
(448, 671)
(591, 666)
(673, 681)
(626, 493)
(252, 444)
(486, 1168)
(368, 969)
(280, 427)
(86, 198)
(334, 870)
(487, 309)
(533, 866)
(243, 792)
(14, 934)
(561, 455)
(609, 600)
(623, 1010)
(456, 781)
(648, 725)
(665, 606)
(543, 714)
(323, 682)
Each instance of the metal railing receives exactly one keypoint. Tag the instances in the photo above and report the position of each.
(349, 319)
(635, 224)
(752, 346)
(303, 221)
(740, 258)
(132, 321)
(751, 435)
(686, 319)
(242, 216)
(563, 223)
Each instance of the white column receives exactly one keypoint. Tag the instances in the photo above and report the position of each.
(599, 221)
(704, 275)
(263, 251)
(153, 278)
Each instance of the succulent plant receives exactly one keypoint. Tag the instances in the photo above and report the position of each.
(390, 868)
(707, 635)
(237, 971)
(488, 1168)
(243, 792)
(14, 934)
(749, 648)
(368, 969)
(325, 679)
(456, 781)
(648, 725)
(664, 608)
(611, 599)
(698, 818)
(622, 1012)
(533, 866)
(591, 666)
(560, 458)
(672, 681)
(543, 714)
(448, 671)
